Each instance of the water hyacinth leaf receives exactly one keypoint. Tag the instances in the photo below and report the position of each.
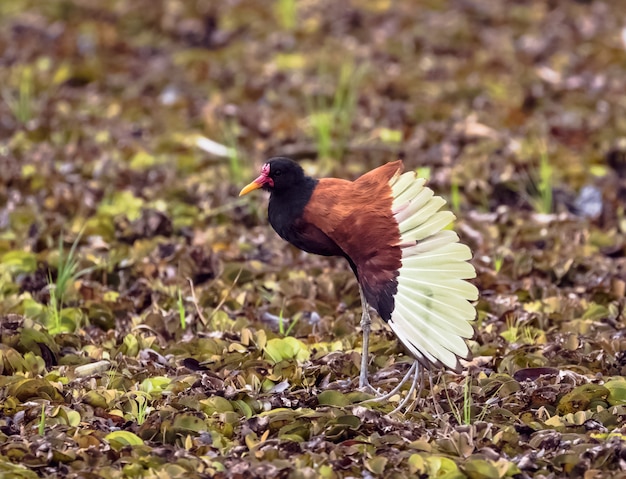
(388, 135)
(216, 404)
(417, 464)
(481, 469)
(130, 346)
(33, 309)
(122, 203)
(279, 349)
(18, 262)
(243, 408)
(349, 420)
(617, 391)
(507, 468)
(120, 439)
(439, 466)
(155, 385)
(142, 160)
(97, 399)
(376, 465)
(34, 364)
(298, 432)
(596, 312)
(66, 415)
(332, 398)
(16, 471)
(31, 339)
(33, 388)
(581, 397)
(188, 423)
(260, 338)
(11, 361)
(67, 320)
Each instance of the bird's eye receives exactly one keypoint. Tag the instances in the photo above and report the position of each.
(277, 173)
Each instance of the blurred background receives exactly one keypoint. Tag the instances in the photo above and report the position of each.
(476, 92)
(127, 129)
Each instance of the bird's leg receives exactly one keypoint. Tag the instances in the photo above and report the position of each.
(416, 377)
(414, 369)
(366, 322)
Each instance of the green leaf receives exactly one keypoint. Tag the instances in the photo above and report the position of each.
(73, 418)
(332, 398)
(580, 398)
(279, 349)
(481, 469)
(18, 262)
(417, 464)
(376, 465)
(442, 467)
(130, 345)
(120, 439)
(187, 422)
(33, 388)
(142, 160)
(155, 385)
(388, 135)
(617, 391)
(215, 404)
(11, 361)
(16, 471)
(122, 203)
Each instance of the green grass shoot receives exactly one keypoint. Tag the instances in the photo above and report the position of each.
(455, 197)
(463, 414)
(518, 333)
(294, 321)
(498, 261)
(281, 324)
(21, 103)
(67, 271)
(41, 428)
(54, 308)
(286, 12)
(143, 407)
(235, 164)
(543, 184)
(181, 310)
(331, 119)
(67, 274)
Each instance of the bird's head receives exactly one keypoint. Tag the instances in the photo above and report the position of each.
(277, 174)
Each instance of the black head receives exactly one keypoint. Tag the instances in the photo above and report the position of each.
(277, 175)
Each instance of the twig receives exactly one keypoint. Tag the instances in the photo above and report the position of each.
(205, 321)
(195, 303)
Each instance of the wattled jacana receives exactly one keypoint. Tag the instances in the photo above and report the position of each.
(388, 226)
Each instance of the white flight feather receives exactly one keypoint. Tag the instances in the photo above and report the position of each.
(432, 312)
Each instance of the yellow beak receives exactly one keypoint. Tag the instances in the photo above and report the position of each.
(255, 185)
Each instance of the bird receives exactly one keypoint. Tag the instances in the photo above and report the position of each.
(391, 228)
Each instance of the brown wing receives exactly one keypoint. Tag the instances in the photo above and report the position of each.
(357, 216)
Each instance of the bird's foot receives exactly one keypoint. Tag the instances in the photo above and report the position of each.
(381, 396)
(366, 387)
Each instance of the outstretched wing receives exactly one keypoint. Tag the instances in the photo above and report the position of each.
(412, 270)
(432, 314)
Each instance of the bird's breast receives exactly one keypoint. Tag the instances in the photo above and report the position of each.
(307, 237)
